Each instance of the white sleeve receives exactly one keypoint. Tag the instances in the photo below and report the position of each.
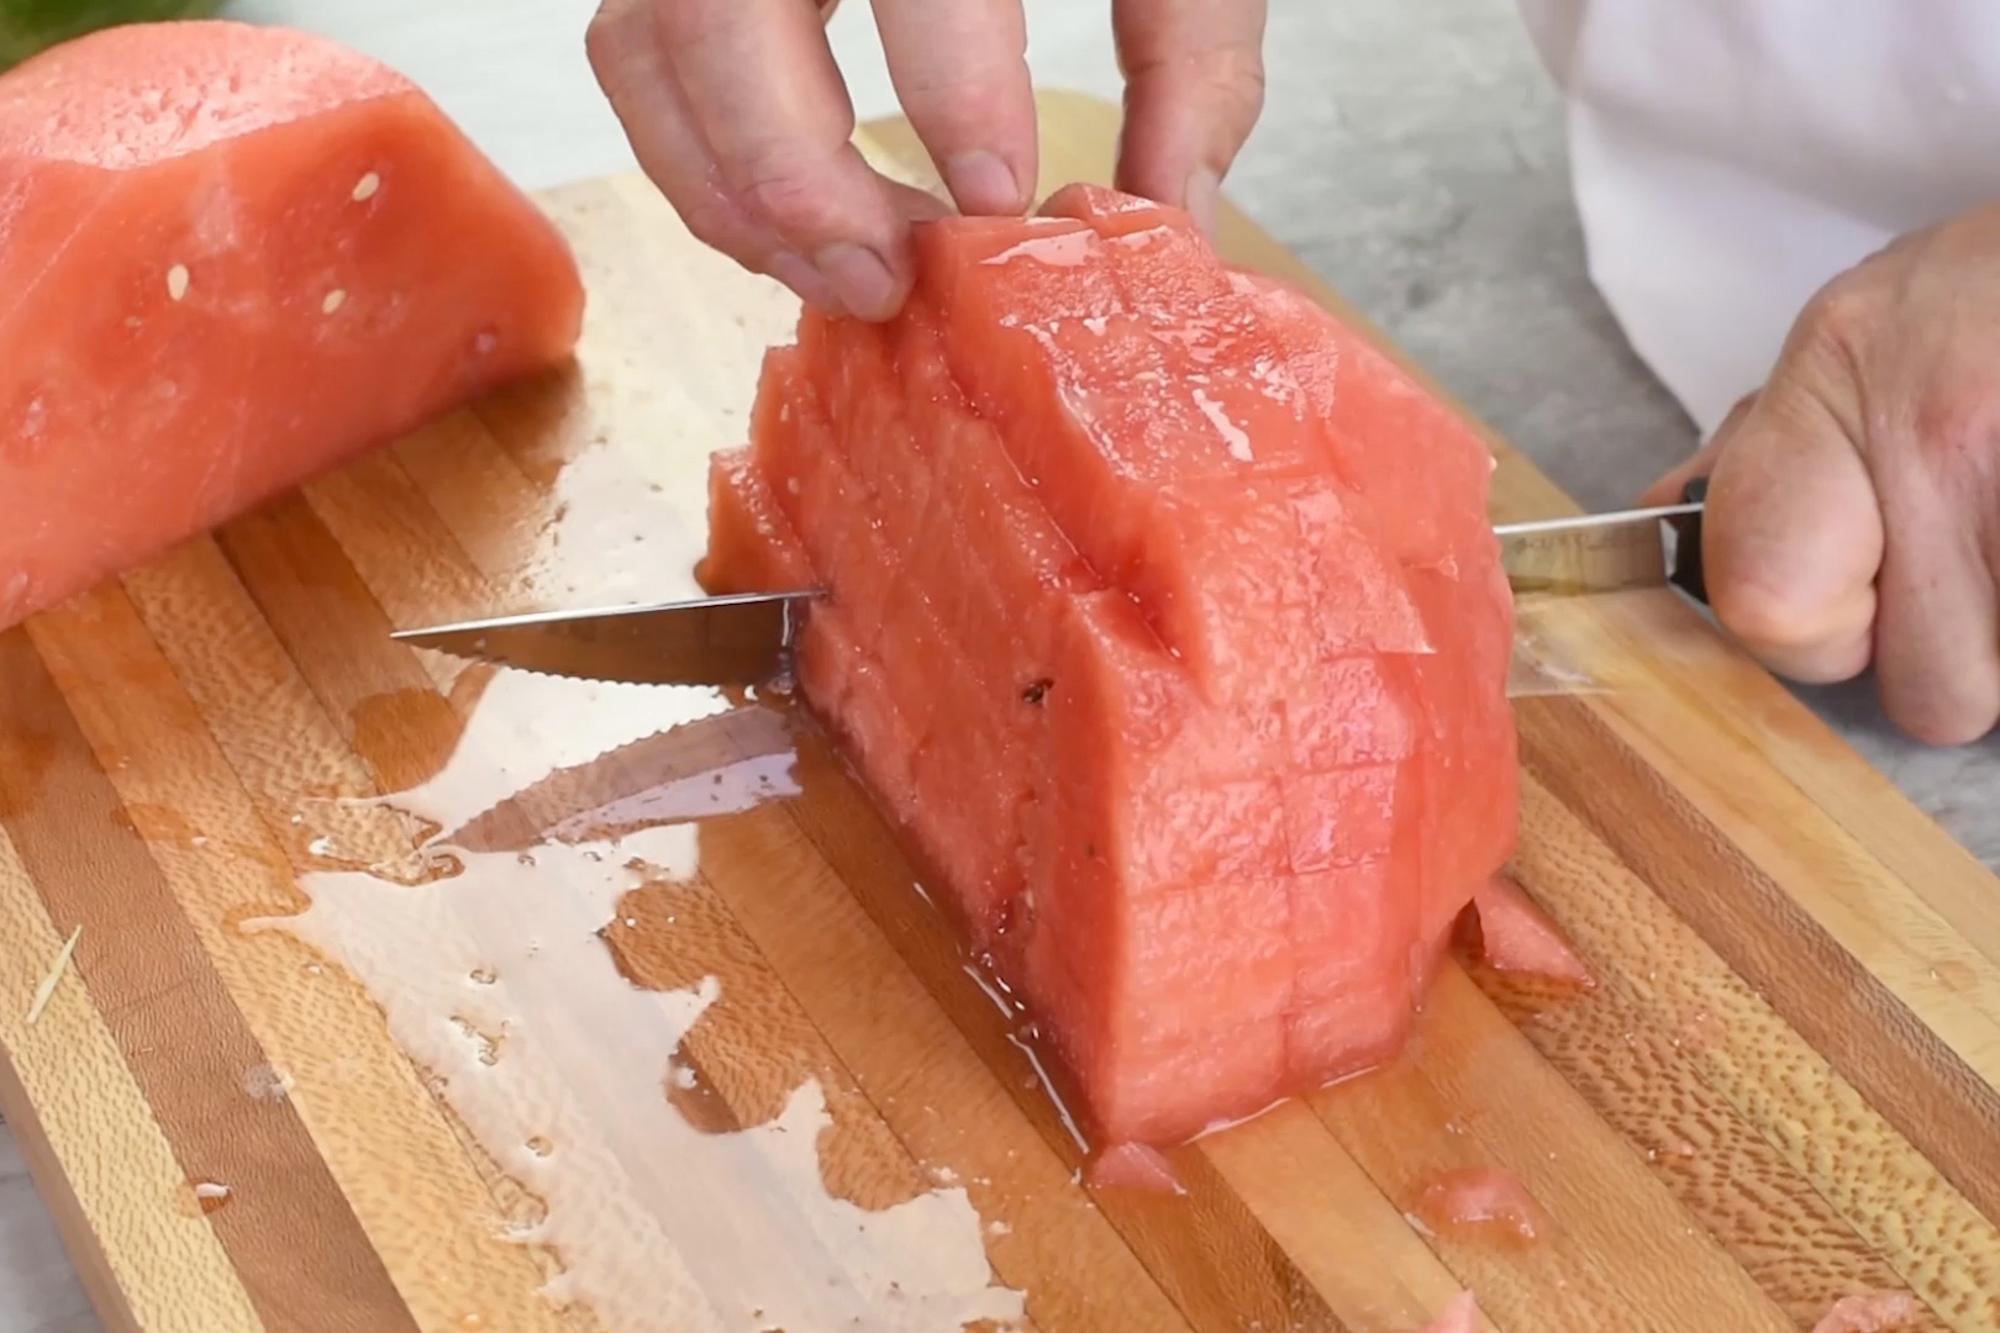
(1730, 156)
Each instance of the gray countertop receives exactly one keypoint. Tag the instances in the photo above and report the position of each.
(1412, 154)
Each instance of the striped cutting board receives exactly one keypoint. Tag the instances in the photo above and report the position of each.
(731, 1073)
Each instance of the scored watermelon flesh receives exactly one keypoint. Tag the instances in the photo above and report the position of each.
(1147, 638)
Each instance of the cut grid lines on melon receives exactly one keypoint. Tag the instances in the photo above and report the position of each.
(1090, 430)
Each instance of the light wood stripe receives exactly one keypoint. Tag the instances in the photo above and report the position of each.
(1910, 847)
(1646, 1253)
(486, 504)
(760, 1044)
(288, 1230)
(337, 636)
(1762, 927)
(124, 1203)
(398, 1155)
(381, 522)
(1401, 1285)
(1754, 1131)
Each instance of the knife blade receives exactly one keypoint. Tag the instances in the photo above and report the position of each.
(737, 640)
(1586, 553)
(746, 639)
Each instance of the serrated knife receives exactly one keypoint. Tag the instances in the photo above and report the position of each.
(746, 639)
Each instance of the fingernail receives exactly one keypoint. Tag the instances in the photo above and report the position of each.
(859, 278)
(792, 269)
(1204, 198)
(982, 183)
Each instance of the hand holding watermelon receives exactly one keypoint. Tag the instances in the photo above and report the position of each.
(738, 113)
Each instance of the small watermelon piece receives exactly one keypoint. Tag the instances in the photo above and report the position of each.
(1111, 212)
(231, 257)
(749, 536)
(1133, 1166)
(1870, 1312)
(1516, 935)
(1197, 705)
(1460, 1315)
(1482, 1198)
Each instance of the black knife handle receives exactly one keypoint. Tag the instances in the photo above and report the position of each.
(1687, 574)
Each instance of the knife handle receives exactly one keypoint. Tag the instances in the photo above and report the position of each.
(1687, 573)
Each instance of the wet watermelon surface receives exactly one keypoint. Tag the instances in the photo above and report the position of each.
(232, 257)
(1167, 621)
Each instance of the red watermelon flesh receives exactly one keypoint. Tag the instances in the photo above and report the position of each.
(1166, 619)
(231, 257)
(1460, 1315)
(1516, 935)
(1133, 1166)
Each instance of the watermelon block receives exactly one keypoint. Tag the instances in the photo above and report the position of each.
(1171, 630)
(232, 257)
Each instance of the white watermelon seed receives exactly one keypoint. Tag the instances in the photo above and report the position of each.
(335, 299)
(177, 281)
(366, 187)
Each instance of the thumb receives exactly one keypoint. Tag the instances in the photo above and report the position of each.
(1673, 482)
(1792, 535)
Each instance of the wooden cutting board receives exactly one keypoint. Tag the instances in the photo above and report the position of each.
(561, 1092)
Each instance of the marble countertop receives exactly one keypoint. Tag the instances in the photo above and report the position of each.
(1412, 154)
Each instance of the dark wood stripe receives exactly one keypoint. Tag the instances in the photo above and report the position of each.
(1869, 1036)
(288, 1230)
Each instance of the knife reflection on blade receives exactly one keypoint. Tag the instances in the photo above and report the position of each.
(1634, 548)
